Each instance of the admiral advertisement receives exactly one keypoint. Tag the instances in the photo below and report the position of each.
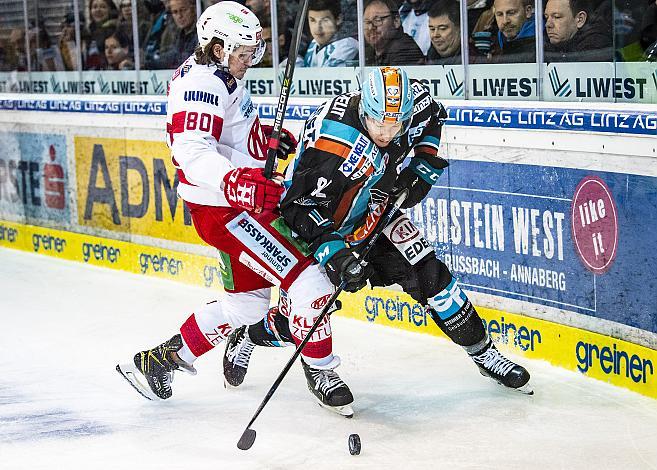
(567, 238)
(130, 186)
(34, 176)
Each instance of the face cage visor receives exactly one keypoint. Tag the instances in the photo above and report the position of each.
(406, 124)
(257, 56)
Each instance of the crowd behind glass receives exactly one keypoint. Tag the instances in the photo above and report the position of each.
(51, 35)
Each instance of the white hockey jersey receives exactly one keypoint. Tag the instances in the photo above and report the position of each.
(213, 127)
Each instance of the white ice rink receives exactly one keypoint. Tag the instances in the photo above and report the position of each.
(419, 401)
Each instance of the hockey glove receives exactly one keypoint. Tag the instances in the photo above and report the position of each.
(287, 143)
(418, 177)
(344, 266)
(247, 188)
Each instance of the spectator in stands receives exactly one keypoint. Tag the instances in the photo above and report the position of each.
(573, 35)
(516, 40)
(43, 54)
(483, 30)
(445, 33)
(161, 22)
(67, 45)
(328, 48)
(415, 22)
(387, 43)
(117, 51)
(648, 32)
(475, 10)
(15, 53)
(183, 13)
(125, 21)
(102, 23)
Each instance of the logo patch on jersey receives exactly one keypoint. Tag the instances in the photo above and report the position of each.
(320, 302)
(247, 107)
(407, 239)
(228, 79)
(263, 244)
(202, 96)
(256, 144)
(360, 159)
(322, 183)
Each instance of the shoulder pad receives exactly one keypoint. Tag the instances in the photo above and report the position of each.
(419, 88)
(228, 79)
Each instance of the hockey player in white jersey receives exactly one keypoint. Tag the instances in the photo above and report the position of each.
(219, 148)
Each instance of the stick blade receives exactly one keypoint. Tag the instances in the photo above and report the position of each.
(247, 439)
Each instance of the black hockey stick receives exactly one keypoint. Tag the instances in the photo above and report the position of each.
(249, 435)
(286, 88)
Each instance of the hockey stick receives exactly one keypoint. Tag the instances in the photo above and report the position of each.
(248, 436)
(286, 88)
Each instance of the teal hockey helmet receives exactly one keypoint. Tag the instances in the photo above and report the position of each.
(387, 96)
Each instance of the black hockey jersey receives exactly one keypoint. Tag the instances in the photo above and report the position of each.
(338, 185)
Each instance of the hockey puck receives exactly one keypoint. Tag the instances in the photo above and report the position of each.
(354, 444)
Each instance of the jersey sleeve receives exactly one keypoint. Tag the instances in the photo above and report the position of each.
(434, 112)
(196, 118)
(312, 198)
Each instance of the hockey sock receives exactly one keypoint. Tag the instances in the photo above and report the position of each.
(455, 315)
(273, 330)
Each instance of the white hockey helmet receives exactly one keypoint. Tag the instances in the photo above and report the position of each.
(235, 25)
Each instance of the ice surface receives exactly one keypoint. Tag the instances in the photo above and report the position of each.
(420, 402)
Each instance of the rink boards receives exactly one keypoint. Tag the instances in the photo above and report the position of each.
(546, 216)
(612, 360)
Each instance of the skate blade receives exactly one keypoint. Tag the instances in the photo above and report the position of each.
(345, 410)
(229, 386)
(527, 389)
(129, 372)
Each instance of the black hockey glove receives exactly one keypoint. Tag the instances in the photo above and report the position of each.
(418, 177)
(343, 265)
(287, 143)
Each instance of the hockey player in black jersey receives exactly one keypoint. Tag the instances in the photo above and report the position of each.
(338, 187)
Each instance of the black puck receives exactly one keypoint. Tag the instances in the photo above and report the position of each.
(354, 444)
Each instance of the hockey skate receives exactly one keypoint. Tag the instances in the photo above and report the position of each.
(236, 357)
(493, 364)
(151, 371)
(328, 389)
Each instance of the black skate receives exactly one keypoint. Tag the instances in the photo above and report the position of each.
(151, 371)
(493, 364)
(329, 390)
(236, 357)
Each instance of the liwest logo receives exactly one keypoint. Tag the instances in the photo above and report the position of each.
(8, 233)
(523, 337)
(612, 361)
(262, 243)
(598, 87)
(47, 243)
(100, 252)
(559, 88)
(160, 263)
(455, 87)
(395, 310)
